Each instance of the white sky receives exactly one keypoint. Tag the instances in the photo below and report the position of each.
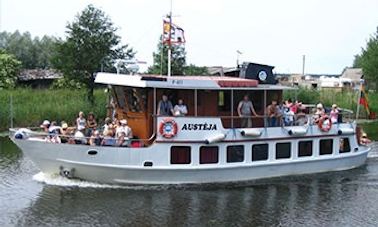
(274, 32)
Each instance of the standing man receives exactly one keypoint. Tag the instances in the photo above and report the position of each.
(273, 113)
(245, 110)
(165, 106)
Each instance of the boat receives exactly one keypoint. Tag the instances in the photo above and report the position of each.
(207, 145)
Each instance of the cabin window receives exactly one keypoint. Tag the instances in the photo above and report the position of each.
(224, 100)
(326, 146)
(136, 99)
(305, 148)
(260, 152)
(344, 145)
(180, 155)
(209, 154)
(235, 153)
(283, 150)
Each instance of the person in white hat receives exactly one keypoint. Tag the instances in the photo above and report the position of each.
(319, 112)
(334, 114)
(45, 125)
(125, 129)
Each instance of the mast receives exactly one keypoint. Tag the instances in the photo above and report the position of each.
(170, 41)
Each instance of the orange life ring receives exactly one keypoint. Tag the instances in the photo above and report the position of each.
(168, 128)
(327, 127)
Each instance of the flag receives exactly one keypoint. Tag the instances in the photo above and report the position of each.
(172, 34)
(363, 98)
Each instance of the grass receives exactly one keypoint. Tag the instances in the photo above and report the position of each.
(30, 106)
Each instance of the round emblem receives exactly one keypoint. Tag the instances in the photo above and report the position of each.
(262, 75)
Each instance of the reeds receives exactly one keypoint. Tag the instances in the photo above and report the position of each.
(31, 107)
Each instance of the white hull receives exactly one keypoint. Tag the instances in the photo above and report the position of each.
(125, 165)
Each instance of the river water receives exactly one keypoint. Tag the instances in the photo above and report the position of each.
(29, 198)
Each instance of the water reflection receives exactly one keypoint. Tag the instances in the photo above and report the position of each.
(314, 199)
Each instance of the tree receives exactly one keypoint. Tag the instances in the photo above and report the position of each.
(33, 53)
(178, 62)
(91, 44)
(195, 70)
(160, 58)
(9, 67)
(368, 59)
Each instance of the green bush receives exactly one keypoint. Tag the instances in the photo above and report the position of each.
(31, 107)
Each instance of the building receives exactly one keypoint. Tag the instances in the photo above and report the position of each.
(38, 78)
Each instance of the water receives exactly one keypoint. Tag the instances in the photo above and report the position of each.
(29, 198)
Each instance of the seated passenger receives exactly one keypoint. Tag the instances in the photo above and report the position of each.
(54, 132)
(122, 140)
(334, 114)
(180, 109)
(108, 139)
(91, 124)
(364, 140)
(108, 122)
(95, 139)
(45, 126)
(124, 128)
(80, 138)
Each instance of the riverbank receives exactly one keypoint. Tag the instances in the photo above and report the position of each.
(31, 106)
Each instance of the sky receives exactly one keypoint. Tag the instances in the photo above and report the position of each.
(274, 32)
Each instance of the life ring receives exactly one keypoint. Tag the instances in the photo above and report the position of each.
(168, 128)
(327, 127)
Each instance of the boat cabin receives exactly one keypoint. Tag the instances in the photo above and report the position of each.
(136, 98)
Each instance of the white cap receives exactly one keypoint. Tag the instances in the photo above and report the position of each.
(123, 121)
(319, 106)
(45, 123)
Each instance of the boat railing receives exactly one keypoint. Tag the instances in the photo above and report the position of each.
(53, 137)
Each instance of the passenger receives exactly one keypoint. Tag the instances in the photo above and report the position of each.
(245, 110)
(45, 126)
(54, 132)
(319, 113)
(122, 140)
(108, 139)
(108, 122)
(79, 138)
(364, 140)
(81, 122)
(91, 124)
(334, 114)
(124, 128)
(165, 107)
(65, 133)
(95, 139)
(273, 112)
(180, 109)
(288, 117)
(136, 143)
(300, 117)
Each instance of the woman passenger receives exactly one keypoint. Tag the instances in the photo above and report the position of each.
(334, 114)
(81, 123)
(91, 124)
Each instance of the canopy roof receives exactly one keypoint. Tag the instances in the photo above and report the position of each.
(183, 82)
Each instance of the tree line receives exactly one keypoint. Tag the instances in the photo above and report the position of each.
(92, 45)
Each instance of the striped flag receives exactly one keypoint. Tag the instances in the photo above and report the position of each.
(363, 98)
(172, 34)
